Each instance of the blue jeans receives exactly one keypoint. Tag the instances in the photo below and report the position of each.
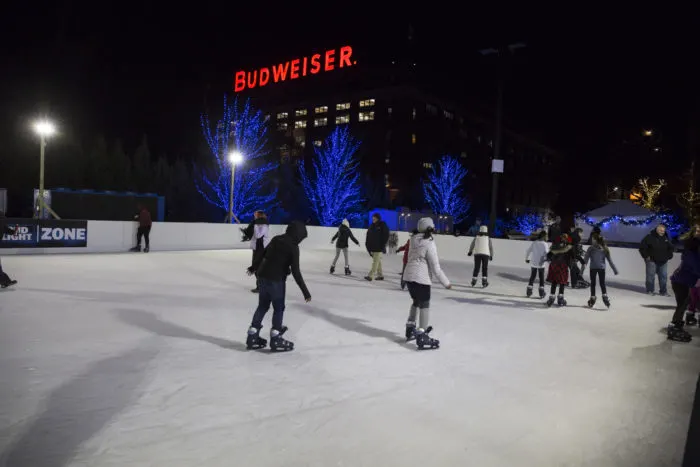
(270, 293)
(657, 269)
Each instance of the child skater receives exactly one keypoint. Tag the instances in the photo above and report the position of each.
(405, 249)
(422, 264)
(272, 267)
(598, 253)
(341, 244)
(559, 258)
(536, 255)
(482, 248)
(685, 277)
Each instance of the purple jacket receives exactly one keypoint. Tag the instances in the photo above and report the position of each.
(688, 273)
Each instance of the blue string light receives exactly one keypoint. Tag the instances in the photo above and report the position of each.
(673, 223)
(332, 186)
(244, 130)
(443, 190)
(528, 223)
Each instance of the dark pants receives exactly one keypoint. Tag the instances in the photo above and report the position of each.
(271, 293)
(4, 278)
(534, 272)
(553, 289)
(402, 271)
(481, 262)
(682, 293)
(144, 232)
(257, 253)
(598, 273)
(575, 274)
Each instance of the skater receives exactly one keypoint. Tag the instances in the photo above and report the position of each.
(258, 233)
(144, 229)
(272, 267)
(341, 244)
(598, 253)
(422, 264)
(559, 258)
(683, 279)
(5, 229)
(405, 249)
(376, 240)
(656, 250)
(577, 281)
(694, 296)
(482, 249)
(536, 256)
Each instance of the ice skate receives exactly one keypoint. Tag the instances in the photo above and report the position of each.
(561, 301)
(484, 282)
(528, 292)
(591, 302)
(367, 278)
(423, 340)
(379, 278)
(690, 319)
(410, 331)
(542, 292)
(550, 301)
(136, 249)
(473, 282)
(606, 301)
(676, 332)
(147, 249)
(279, 343)
(9, 283)
(348, 272)
(254, 341)
(332, 269)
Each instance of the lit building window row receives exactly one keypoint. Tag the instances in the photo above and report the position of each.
(342, 106)
(282, 125)
(282, 115)
(367, 103)
(318, 143)
(341, 119)
(321, 121)
(427, 165)
(321, 109)
(300, 124)
(366, 116)
(300, 112)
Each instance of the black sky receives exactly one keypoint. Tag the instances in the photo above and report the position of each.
(126, 69)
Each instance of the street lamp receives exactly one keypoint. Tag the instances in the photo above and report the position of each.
(648, 132)
(234, 158)
(44, 129)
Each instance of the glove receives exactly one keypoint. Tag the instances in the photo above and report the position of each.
(469, 254)
(250, 271)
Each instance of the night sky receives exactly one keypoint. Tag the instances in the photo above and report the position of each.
(125, 70)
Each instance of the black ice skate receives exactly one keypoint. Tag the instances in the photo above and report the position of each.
(379, 278)
(676, 332)
(423, 340)
(254, 341)
(473, 282)
(147, 249)
(9, 283)
(367, 278)
(591, 302)
(542, 292)
(279, 343)
(410, 331)
(528, 292)
(332, 269)
(606, 301)
(484, 282)
(550, 301)
(136, 249)
(561, 301)
(690, 319)
(348, 272)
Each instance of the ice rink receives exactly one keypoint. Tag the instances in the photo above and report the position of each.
(139, 360)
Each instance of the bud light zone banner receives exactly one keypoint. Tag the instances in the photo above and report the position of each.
(32, 233)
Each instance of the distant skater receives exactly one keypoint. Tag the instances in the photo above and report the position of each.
(422, 264)
(5, 229)
(144, 229)
(258, 233)
(559, 258)
(536, 256)
(376, 240)
(341, 238)
(598, 253)
(482, 249)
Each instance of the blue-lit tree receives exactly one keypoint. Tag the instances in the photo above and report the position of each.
(332, 185)
(443, 189)
(528, 222)
(243, 129)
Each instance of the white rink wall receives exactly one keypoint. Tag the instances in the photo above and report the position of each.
(115, 237)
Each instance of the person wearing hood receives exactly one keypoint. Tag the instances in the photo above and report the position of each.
(598, 253)
(258, 233)
(536, 256)
(656, 250)
(686, 276)
(559, 258)
(272, 268)
(482, 249)
(5, 229)
(376, 240)
(341, 238)
(422, 264)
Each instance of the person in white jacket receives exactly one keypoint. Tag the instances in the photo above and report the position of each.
(482, 249)
(421, 265)
(536, 256)
(259, 238)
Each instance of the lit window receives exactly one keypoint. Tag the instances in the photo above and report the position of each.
(300, 112)
(657, 149)
(367, 103)
(427, 165)
(321, 121)
(340, 119)
(318, 143)
(300, 140)
(282, 125)
(414, 113)
(388, 110)
(413, 138)
(386, 161)
(282, 115)
(448, 115)
(463, 155)
(366, 116)
(342, 106)
(300, 124)
(321, 109)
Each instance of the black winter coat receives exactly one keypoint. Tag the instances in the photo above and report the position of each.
(656, 248)
(4, 228)
(377, 237)
(343, 234)
(282, 256)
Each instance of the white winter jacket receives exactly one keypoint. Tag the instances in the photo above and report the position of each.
(423, 262)
(481, 245)
(537, 253)
(260, 231)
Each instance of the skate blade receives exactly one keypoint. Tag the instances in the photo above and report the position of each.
(680, 339)
(281, 349)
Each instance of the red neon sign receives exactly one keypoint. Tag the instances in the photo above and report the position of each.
(294, 69)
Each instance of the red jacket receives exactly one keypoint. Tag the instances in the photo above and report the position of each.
(145, 218)
(405, 251)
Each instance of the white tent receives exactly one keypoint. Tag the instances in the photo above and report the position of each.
(617, 231)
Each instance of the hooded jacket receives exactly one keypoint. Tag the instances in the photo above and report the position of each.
(282, 256)
(656, 248)
(423, 261)
(688, 273)
(343, 235)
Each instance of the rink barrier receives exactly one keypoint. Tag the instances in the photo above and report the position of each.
(115, 237)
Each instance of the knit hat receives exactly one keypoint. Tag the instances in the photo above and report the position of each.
(483, 229)
(425, 223)
(346, 223)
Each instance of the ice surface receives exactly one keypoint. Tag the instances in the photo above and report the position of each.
(139, 360)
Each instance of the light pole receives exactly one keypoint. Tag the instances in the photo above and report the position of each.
(44, 129)
(234, 158)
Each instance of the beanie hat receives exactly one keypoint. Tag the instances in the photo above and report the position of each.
(346, 223)
(425, 223)
(483, 229)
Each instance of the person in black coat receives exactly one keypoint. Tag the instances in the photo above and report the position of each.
(272, 268)
(341, 238)
(377, 238)
(554, 231)
(5, 229)
(657, 250)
